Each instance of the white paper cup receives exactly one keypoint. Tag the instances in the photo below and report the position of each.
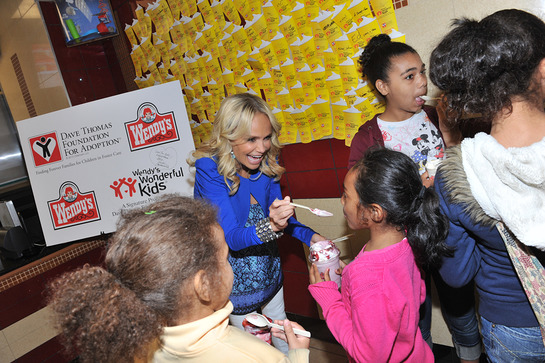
(332, 262)
(431, 167)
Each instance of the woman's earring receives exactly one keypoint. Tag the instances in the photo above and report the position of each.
(232, 155)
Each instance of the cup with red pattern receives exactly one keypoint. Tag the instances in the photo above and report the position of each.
(325, 255)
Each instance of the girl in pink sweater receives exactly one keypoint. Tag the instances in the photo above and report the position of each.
(375, 316)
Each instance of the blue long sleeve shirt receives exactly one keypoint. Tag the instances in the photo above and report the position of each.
(234, 209)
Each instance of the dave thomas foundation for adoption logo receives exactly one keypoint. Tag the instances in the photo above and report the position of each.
(73, 207)
(45, 149)
(151, 128)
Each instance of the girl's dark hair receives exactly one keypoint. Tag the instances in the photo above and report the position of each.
(375, 61)
(112, 314)
(391, 179)
(481, 65)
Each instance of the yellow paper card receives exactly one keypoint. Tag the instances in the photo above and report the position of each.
(266, 84)
(229, 81)
(326, 4)
(267, 52)
(250, 79)
(217, 10)
(349, 74)
(231, 12)
(335, 87)
(359, 9)
(272, 19)
(241, 88)
(289, 72)
(384, 11)
(297, 94)
(140, 33)
(256, 29)
(161, 16)
(243, 8)
(342, 17)
(256, 6)
(163, 50)
(197, 87)
(197, 109)
(207, 102)
(397, 36)
(214, 67)
(284, 99)
(309, 51)
(281, 47)
(368, 28)
(149, 50)
(288, 132)
(177, 31)
(241, 39)
(342, 47)
(303, 126)
(206, 10)
(312, 121)
(288, 27)
(189, 27)
(352, 122)
(297, 54)
(355, 39)
(283, 7)
(279, 81)
(320, 40)
(319, 80)
(137, 65)
(322, 111)
(139, 54)
(337, 112)
(131, 36)
(299, 16)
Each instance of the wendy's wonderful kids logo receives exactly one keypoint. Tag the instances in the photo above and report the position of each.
(151, 128)
(73, 207)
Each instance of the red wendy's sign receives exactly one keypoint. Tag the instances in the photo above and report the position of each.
(73, 207)
(151, 128)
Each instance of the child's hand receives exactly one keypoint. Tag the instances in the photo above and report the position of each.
(317, 238)
(279, 213)
(315, 275)
(294, 341)
(426, 180)
(339, 271)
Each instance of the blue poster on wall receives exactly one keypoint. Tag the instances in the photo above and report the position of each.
(86, 20)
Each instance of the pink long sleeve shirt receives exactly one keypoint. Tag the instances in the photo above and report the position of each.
(375, 316)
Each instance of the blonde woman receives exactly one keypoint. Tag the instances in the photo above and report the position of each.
(238, 171)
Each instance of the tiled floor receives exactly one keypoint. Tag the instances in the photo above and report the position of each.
(325, 349)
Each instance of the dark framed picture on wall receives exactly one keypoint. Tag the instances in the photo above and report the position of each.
(86, 21)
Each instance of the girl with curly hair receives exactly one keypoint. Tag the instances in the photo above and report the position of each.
(492, 186)
(163, 294)
(238, 171)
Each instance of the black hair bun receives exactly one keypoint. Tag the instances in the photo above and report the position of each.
(376, 42)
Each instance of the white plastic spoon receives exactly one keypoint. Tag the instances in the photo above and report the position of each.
(428, 98)
(261, 321)
(318, 212)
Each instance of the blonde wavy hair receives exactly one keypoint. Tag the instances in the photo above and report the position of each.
(234, 122)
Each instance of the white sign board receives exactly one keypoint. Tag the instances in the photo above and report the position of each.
(87, 162)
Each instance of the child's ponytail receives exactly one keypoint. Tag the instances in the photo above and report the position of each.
(99, 318)
(427, 229)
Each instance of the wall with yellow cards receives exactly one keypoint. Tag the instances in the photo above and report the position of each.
(301, 57)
